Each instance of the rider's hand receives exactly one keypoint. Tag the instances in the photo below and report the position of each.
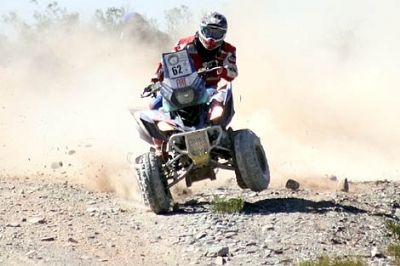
(148, 88)
(210, 64)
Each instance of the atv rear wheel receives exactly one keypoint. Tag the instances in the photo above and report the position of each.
(252, 169)
(153, 184)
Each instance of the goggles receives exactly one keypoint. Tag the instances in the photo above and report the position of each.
(213, 32)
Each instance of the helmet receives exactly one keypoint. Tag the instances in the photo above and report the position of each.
(212, 31)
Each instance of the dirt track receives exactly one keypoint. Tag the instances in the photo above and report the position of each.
(56, 223)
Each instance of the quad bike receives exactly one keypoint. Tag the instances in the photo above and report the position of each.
(191, 136)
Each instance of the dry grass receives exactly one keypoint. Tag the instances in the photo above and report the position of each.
(326, 261)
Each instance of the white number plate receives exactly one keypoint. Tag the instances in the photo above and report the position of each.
(177, 64)
(197, 143)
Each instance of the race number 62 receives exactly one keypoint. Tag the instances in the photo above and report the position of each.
(176, 70)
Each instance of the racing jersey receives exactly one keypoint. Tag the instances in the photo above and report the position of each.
(225, 56)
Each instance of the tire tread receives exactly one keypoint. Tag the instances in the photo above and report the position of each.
(152, 185)
(245, 144)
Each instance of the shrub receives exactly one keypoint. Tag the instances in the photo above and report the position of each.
(393, 228)
(224, 205)
(393, 250)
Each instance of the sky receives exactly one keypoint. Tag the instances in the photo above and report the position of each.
(150, 8)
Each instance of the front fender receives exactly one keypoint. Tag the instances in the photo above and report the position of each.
(144, 134)
(146, 124)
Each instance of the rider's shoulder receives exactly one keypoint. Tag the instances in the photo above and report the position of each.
(227, 47)
(185, 41)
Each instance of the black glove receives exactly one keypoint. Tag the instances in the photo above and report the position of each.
(210, 64)
(148, 88)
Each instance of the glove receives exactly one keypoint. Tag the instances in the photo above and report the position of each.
(210, 64)
(148, 88)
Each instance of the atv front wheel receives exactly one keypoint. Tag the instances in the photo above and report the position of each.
(251, 162)
(153, 184)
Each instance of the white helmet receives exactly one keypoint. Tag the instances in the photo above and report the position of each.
(212, 31)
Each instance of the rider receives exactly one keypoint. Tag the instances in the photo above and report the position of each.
(207, 45)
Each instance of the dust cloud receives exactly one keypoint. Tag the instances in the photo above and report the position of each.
(318, 83)
(64, 105)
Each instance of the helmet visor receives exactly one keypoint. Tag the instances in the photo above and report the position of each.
(215, 33)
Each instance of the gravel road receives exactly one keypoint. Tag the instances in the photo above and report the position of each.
(46, 222)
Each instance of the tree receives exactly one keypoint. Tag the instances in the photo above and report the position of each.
(111, 19)
(178, 19)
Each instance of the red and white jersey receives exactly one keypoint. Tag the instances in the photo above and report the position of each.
(225, 55)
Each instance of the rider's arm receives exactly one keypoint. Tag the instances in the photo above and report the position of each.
(159, 75)
(230, 71)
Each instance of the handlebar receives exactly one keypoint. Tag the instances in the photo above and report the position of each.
(208, 70)
(208, 67)
(151, 90)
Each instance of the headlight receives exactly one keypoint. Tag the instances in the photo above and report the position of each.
(185, 96)
(164, 126)
(216, 111)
